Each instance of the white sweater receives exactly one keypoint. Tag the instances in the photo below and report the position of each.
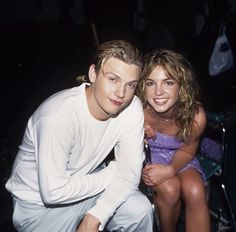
(62, 146)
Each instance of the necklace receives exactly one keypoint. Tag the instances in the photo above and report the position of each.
(165, 120)
(160, 118)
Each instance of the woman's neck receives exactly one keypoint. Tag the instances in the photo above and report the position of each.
(165, 116)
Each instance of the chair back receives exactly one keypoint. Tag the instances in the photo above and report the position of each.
(212, 148)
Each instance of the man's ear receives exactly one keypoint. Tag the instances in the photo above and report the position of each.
(92, 73)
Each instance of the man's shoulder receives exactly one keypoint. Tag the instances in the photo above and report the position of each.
(133, 111)
(136, 104)
(65, 100)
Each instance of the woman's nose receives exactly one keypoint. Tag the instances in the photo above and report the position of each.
(159, 89)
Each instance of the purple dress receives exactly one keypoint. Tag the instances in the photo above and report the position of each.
(163, 149)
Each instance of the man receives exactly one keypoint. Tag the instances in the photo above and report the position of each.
(59, 181)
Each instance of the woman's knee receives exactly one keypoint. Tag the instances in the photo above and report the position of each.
(194, 193)
(193, 188)
(169, 191)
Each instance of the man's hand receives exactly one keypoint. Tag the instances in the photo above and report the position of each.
(89, 224)
(149, 131)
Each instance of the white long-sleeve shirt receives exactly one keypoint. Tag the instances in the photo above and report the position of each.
(62, 146)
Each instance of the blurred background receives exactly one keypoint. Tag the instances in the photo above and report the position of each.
(46, 44)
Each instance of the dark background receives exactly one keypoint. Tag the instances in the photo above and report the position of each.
(45, 45)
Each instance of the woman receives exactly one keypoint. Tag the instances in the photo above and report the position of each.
(174, 123)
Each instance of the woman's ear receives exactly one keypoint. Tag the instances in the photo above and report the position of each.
(92, 73)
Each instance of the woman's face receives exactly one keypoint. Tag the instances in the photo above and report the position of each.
(161, 91)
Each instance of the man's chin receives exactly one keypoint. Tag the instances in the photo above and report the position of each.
(115, 113)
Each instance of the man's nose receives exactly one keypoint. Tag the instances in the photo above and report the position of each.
(120, 91)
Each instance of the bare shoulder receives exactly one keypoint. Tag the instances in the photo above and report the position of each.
(200, 119)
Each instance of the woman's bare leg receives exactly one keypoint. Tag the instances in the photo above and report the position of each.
(167, 202)
(197, 217)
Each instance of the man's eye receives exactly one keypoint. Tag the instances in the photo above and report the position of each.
(132, 85)
(113, 79)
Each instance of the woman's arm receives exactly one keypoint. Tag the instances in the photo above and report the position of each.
(155, 174)
(188, 150)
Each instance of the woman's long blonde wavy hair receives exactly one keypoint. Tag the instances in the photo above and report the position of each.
(176, 66)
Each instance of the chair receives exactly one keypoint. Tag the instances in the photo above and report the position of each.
(212, 156)
(142, 187)
(148, 191)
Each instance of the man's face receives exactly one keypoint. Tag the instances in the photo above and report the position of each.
(113, 88)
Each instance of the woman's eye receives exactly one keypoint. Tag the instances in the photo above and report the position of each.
(149, 83)
(169, 82)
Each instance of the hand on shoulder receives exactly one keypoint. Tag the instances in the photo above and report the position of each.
(149, 131)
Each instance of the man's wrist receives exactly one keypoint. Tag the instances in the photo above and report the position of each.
(92, 220)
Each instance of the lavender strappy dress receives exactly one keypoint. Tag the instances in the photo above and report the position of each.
(163, 149)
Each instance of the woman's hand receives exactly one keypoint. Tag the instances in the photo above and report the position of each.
(155, 174)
